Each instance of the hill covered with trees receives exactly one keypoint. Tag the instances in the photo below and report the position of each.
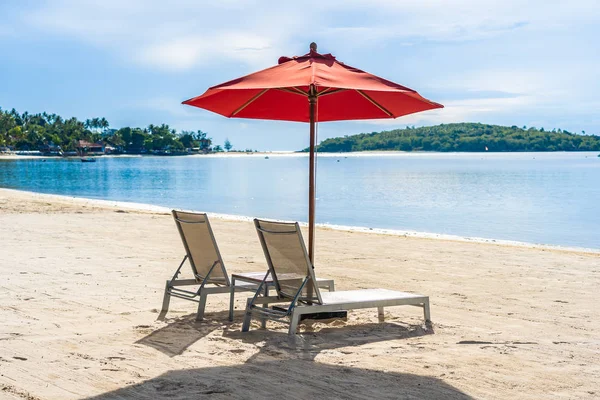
(35, 131)
(464, 137)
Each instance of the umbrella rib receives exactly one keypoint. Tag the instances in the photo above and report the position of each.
(324, 91)
(296, 91)
(376, 104)
(246, 104)
(330, 90)
(300, 91)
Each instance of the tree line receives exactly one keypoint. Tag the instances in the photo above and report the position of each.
(34, 131)
(464, 137)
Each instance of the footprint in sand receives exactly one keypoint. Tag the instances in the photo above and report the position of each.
(84, 356)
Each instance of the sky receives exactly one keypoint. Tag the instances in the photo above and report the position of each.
(533, 63)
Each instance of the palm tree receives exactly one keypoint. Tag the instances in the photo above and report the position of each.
(103, 124)
(200, 135)
(26, 118)
(96, 123)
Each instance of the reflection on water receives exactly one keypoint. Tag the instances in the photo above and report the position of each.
(541, 198)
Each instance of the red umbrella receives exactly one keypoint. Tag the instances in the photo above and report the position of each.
(335, 92)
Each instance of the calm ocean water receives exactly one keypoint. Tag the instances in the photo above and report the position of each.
(549, 198)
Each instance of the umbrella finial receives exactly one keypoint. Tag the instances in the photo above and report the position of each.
(313, 47)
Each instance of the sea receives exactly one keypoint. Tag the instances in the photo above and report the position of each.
(538, 198)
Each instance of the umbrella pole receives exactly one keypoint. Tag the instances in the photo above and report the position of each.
(312, 100)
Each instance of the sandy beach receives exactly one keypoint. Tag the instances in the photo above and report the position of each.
(82, 282)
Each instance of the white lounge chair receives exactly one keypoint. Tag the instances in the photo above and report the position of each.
(202, 253)
(293, 275)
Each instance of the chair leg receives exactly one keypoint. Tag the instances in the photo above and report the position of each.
(231, 298)
(294, 319)
(380, 314)
(263, 321)
(247, 317)
(426, 311)
(201, 306)
(166, 299)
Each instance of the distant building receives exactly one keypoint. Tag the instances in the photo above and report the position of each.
(85, 147)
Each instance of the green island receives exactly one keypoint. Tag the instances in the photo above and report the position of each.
(52, 135)
(464, 137)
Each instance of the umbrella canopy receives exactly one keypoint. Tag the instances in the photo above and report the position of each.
(334, 90)
(280, 93)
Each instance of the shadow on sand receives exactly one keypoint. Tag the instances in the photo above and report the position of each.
(284, 366)
(290, 379)
(182, 332)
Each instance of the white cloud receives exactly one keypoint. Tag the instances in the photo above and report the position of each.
(507, 80)
(164, 104)
(458, 20)
(175, 35)
(475, 109)
(188, 51)
(184, 33)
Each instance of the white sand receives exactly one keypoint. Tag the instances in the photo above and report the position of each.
(81, 283)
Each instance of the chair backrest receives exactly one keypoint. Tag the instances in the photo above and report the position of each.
(201, 247)
(288, 261)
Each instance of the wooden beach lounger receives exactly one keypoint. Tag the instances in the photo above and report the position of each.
(293, 275)
(202, 253)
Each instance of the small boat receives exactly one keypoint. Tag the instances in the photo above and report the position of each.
(88, 159)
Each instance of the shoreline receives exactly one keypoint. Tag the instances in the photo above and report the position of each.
(291, 153)
(144, 207)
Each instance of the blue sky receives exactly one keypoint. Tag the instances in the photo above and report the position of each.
(509, 62)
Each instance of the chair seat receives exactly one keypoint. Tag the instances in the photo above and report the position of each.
(363, 295)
